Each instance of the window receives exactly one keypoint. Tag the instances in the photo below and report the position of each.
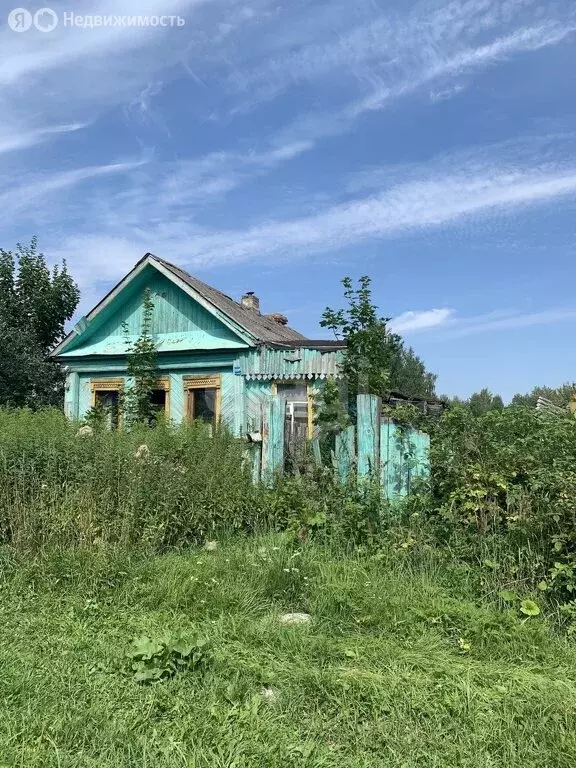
(298, 407)
(106, 395)
(203, 398)
(160, 397)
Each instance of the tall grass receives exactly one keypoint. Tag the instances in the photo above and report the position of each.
(154, 488)
(403, 665)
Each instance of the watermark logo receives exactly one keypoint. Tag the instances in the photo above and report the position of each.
(20, 20)
(46, 20)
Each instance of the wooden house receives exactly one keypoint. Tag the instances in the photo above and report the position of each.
(220, 360)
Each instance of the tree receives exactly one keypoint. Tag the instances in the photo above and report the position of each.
(484, 401)
(142, 369)
(35, 304)
(376, 361)
(560, 396)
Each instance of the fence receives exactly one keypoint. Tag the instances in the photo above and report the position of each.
(376, 447)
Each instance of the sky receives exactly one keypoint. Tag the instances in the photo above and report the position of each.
(278, 146)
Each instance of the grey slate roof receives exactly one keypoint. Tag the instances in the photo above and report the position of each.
(264, 329)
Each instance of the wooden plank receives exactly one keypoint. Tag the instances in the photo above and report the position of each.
(395, 484)
(255, 457)
(345, 444)
(239, 417)
(369, 408)
(316, 453)
(273, 439)
(71, 395)
(386, 427)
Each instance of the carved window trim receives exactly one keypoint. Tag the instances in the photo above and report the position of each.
(192, 382)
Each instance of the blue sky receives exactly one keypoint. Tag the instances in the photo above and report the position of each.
(278, 146)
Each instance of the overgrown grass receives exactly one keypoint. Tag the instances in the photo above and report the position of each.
(409, 661)
(151, 488)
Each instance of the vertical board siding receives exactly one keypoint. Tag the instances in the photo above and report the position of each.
(300, 363)
(345, 453)
(257, 396)
(273, 440)
(229, 402)
(239, 425)
(369, 408)
(72, 395)
(178, 322)
(177, 398)
(174, 312)
(393, 456)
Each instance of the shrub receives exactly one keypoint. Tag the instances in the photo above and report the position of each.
(509, 474)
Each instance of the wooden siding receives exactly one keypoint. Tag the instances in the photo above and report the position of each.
(267, 363)
(178, 322)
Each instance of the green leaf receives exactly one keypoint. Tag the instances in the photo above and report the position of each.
(529, 608)
(183, 648)
(543, 586)
(508, 596)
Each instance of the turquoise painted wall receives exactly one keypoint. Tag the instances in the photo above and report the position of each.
(242, 401)
(178, 322)
(232, 392)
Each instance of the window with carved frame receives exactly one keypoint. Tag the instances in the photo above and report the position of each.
(203, 398)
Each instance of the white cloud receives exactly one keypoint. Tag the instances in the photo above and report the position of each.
(441, 67)
(428, 202)
(154, 213)
(13, 140)
(38, 189)
(449, 324)
(510, 321)
(411, 321)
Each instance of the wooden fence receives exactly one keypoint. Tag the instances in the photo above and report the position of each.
(375, 448)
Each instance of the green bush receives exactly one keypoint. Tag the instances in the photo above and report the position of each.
(508, 477)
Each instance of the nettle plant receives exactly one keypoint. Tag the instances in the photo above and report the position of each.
(158, 660)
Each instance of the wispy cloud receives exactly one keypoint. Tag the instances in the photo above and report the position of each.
(411, 321)
(396, 54)
(39, 188)
(442, 193)
(427, 202)
(450, 324)
(510, 321)
(13, 140)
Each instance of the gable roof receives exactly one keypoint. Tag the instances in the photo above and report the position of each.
(259, 326)
(248, 324)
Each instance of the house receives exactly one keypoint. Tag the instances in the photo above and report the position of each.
(219, 360)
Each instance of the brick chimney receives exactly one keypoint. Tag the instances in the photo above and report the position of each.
(250, 301)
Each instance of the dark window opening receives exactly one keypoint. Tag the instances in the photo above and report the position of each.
(202, 404)
(109, 401)
(158, 400)
(158, 403)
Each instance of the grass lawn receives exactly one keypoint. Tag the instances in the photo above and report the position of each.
(406, 663)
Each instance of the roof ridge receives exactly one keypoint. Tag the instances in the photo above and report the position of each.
(171, 265)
